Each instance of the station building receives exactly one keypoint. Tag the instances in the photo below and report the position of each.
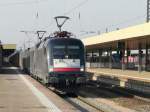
(127, 48)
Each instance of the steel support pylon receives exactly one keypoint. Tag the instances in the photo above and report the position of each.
(148, 11)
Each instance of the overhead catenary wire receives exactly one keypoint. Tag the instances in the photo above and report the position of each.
(69, 11)
(136, 18)
(113, 25)
(21, 3)
(76, 7)
(119, 24)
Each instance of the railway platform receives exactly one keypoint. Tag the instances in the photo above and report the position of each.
(135, 80)
(21, 93)
(112, 56)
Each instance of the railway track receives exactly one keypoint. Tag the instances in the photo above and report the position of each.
(78, 102)
(95, 98)
(129, 93)
(116, 96)
(122, 91)
(82, 104)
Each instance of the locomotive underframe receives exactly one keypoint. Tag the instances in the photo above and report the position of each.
(67, 78)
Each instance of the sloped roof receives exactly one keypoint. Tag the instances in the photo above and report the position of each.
(134, 32)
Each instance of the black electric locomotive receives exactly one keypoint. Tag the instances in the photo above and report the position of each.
(57, 60)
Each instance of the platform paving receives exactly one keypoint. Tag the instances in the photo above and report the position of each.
(15, 96)
(21, 93)
(126, 74)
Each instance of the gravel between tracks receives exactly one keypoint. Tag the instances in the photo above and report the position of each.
(83, 107)
(127, 102)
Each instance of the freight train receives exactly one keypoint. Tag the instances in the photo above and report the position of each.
(56, 61)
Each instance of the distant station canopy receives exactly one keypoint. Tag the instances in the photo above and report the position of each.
(9, 46)
(8, 49)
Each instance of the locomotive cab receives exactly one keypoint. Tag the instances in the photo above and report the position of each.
(66, 62)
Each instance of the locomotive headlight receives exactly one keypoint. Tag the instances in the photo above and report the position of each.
(82, 69)
(50, 69)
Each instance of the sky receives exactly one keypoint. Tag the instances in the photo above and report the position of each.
(88, 17)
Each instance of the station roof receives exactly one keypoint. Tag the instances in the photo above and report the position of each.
(135, 33)
(9, 46)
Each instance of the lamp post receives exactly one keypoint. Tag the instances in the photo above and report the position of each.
(148, 11)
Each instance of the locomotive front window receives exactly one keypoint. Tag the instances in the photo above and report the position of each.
(73, 51)
(59, 47)
(73, 47)
(59, 51)
(66, 51)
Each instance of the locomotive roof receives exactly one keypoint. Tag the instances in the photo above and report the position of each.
(49, 39)
(62, 38)
(46, 41)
